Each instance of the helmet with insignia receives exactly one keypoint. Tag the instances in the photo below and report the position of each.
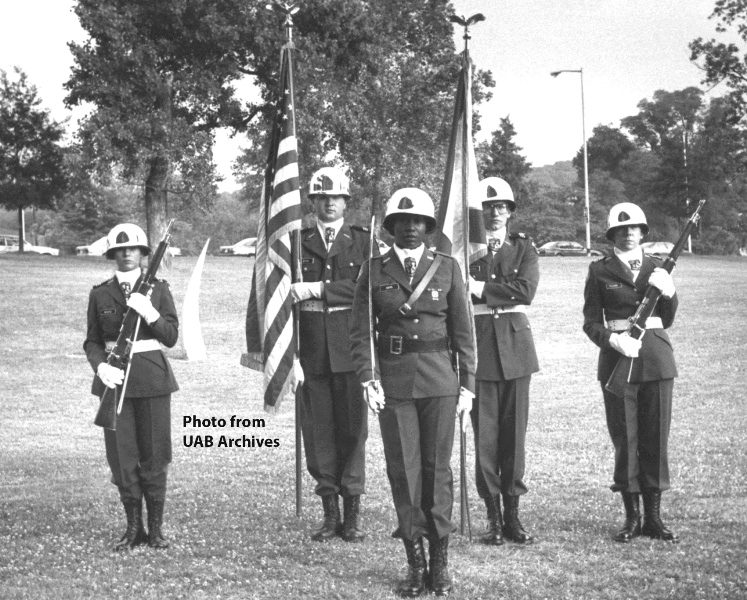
(126, 235)
(329, 181)
(409, 201)
(495, 189)
(625, 214)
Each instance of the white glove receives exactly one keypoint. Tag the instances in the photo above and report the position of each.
(476, 288)
(110, 376)
(374, 394)
(464, 406)
(298, 377)
(625, 345)
(306, 291)
(142, 305)
(663, 281)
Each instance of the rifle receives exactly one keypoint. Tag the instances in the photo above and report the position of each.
(637, 327)
(121, 354)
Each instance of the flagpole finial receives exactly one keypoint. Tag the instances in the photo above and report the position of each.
(287, 9)
(466, 22)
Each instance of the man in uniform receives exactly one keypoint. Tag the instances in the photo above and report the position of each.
(139, 450)
(638, 423)
(334, 419)
(419, 303)
(502, 285)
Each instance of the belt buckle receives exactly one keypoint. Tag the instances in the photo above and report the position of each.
(405, 308)
(395, 344)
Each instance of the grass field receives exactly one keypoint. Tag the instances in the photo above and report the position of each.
(230, 511)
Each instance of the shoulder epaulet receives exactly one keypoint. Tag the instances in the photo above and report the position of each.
(98, 285)
(305, 229)
(518, 236)
(655, 257)
(361, 228)
(603, 259)
(442, 253)
(160, 280)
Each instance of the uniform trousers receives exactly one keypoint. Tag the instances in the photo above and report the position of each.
(139, 451)
(499, 422)
(418, 436)
(639, 428)
(334, 423)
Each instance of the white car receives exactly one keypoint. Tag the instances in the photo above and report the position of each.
(657, 248)
(246, 247)
(9, 243)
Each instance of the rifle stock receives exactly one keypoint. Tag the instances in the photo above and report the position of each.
(120, 355)
(106, 416)
(620, 376)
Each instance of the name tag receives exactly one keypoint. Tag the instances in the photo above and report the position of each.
(110, 311)
(612, 286)
(475, 268)
(307, 261)
(388, 286)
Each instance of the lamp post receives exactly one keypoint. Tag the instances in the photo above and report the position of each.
(586, 158)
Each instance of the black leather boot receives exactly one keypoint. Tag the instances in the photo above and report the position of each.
(331, 526)
(493, 535)
(135, 534)
(414, 582)
(652, 524)
(512, 527)
(352, 508)
(155, 523)
(632, 526)
(441, 583)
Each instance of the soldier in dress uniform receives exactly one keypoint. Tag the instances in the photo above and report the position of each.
(502, 285)
(139, 451)
(334, 418)
(419, 303)
(638, 423)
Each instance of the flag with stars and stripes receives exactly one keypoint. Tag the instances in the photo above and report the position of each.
(461, 229)
(270, 335)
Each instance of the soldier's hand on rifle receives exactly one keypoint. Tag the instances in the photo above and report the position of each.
(298, 376)
(306, 290)
(110, 376)
(143, 307)
(476, 287)
(464, 406)
(374, 394)
(663, 281)
(625, 345)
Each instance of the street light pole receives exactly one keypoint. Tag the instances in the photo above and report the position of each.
(586, 156)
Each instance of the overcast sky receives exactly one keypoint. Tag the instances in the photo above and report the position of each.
(628, 49)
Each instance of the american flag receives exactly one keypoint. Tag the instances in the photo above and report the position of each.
(462, 233)
(270, 335)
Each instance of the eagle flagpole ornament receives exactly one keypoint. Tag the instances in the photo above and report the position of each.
(476, 18)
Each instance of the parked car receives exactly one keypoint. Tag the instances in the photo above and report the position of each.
(565, 249)
(246, 247)
(657, 248)
(9, 243)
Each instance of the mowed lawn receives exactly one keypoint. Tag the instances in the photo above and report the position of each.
(230, 512)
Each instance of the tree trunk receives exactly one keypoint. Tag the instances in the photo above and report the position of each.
(21, 229)
(156, 199)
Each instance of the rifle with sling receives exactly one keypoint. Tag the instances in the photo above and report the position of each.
(620, 376)
(121, 354)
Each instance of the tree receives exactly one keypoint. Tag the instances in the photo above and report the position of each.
(158, 75)
(31, 170)
(606, 149)
(501, 157)
(375, 85)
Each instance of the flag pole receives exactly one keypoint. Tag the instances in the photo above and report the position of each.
(465, 142)
(288, 10)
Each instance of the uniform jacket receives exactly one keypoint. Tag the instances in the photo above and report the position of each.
(150, 373)
(325, 337)
(611, 294)
(441, 311)
(505, 341)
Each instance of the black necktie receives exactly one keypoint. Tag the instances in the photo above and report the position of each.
(330, 233)
(495, 243)
(635, 265)
(126, 288)
(410, 267)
